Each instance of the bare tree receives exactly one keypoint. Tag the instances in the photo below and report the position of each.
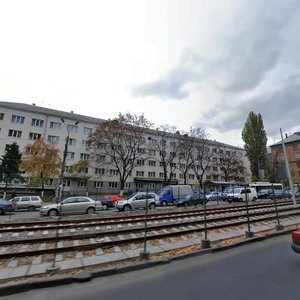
(120, 143)
(202, 155)
(231, 166)
(166, 144)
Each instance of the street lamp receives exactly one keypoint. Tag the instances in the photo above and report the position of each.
(63, 166)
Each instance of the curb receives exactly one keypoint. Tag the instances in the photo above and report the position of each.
(85, 276)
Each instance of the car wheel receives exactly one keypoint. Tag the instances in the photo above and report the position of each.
(152, 205)
(1, 211)
(126, 207)
(164, 203)
(90, 211)
(240, 200)
(186, 204)
(30, 208)
(254, 199)
(52, 213)
(104, 207)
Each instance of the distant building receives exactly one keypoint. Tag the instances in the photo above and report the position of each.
(292, 144)
(24, 123)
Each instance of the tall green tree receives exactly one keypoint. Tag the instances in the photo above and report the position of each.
(10, 165)
(255, 138)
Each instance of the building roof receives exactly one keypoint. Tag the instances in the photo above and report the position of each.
(43, 110)
(288, 140)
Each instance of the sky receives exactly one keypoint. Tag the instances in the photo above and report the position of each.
(186, 63)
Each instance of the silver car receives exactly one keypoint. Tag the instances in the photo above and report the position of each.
(27, 202)
(71, 205)
(138, 200)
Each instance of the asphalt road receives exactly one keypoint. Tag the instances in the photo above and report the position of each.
(264, 270)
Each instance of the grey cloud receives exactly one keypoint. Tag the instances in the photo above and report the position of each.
(254, 47)
(277, 109)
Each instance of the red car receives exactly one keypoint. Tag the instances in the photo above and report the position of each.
(296, 240)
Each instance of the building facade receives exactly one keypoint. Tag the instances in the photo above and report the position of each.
(292, 146)
(24, 123)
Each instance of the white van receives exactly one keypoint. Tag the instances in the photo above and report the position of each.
(240, 193)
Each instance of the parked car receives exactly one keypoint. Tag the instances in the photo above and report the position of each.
(215, 195)
(6, 207)
(30, 203)
(106, 202)
(71, 205)
(296, 240)
(264, 193)
(239, 194)
(170, 193)
(138, 201)
(280, 194)
(115, 198)
(191, 199)
(297, 194)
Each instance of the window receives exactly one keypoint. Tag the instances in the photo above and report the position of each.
(72, 128)
(87, 130)
(99, 171)
(162, 153)
(173, 175)
(1, 116)
(152, 141)
(84, 144)
(141, 150)
(140, 162)
(37, 122)
(298, 164)
(161, 174)
(162, 142)
(70, 155)
(84, 156)
(181, 176)
(152, 152)
(72, 142)
(83, 170)
(101, 158)
(214, 159)
(98, 184)
(151, 174)
(228, 153)
(113, 172)
(53, 139)
(14, 133)
(295, 147)
(173, 144)
(162, 163)
(152, 163)
(182, 166)
(181, 155)
(112, 184)
(172, 154)
(215, 168)
(173, 165)
(208, 177)
(216, 177)
(81, 183)
(34, 136)
(55, 125)
(140, 173)
(221, 151)
(127, 185)
(214, 150)
(17, 119)
(191, 176)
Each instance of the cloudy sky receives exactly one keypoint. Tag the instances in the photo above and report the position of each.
(199, 63)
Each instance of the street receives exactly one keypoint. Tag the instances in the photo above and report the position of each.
(263, 270)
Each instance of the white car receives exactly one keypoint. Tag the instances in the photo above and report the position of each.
(27, 202)
(138, 200)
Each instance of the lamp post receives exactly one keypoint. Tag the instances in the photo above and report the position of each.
(55, 268)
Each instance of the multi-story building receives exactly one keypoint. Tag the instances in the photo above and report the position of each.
(292, 146)
(23, 123)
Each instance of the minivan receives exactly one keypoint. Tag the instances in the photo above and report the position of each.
(240, 193)
(27, 202)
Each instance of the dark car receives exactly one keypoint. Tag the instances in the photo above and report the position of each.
(106, 202)
(6, 207)
(264, 193)
(296, 240)
(280, 194)
(192, 199)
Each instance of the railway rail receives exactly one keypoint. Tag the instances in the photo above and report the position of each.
(63, 236)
